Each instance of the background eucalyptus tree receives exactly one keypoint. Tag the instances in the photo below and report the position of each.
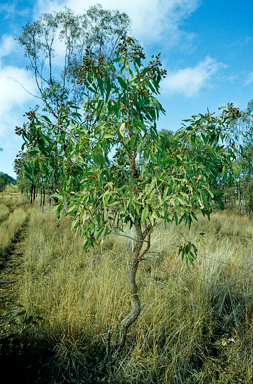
(55, 45)
(245, 180)
(239, 195)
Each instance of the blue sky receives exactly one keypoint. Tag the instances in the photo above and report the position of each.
(206, 47)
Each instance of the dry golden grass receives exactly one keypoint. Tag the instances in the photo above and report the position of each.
(4, 212)
(12, 197)
(10, 227)
(194, 327)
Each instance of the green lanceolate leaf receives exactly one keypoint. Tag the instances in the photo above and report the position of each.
(144, 215)
(122, 82)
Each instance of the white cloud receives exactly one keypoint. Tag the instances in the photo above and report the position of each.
(8, 45)
(189, 81)
(14, 101)
(249, 78)
(13, 96)
(152, 19)
(13, 80)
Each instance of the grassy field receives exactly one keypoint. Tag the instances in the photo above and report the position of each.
(194, 327)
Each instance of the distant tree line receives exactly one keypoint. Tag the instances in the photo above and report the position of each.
(4, 181)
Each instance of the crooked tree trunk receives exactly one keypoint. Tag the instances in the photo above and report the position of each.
(133, 289)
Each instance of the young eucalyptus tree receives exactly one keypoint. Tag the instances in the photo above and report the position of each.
(120, 160)
(112, 155)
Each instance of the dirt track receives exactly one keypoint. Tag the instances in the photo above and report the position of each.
(10, 276)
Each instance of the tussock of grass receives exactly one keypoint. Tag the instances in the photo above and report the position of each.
(10, 228)
(4, 212)
(194, 327)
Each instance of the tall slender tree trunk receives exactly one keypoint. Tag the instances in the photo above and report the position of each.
(31, 197)
(239, 197)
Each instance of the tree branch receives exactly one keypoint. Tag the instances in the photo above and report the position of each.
(16, 81)
(145, 250)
